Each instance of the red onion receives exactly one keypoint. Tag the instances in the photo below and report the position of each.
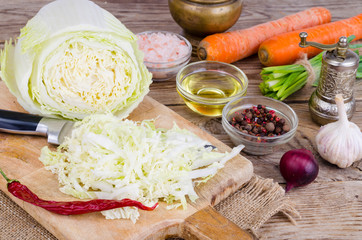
(298, 167)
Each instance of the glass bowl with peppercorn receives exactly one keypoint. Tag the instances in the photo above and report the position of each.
(260, 123)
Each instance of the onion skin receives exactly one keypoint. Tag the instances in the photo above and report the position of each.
(298, 167)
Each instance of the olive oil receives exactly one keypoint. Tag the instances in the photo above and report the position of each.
(210, 91)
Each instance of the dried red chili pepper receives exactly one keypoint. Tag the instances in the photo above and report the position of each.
(69, 208)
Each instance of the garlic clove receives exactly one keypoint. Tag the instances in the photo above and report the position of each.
(340, 142)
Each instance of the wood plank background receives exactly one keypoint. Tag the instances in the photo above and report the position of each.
(331, 207)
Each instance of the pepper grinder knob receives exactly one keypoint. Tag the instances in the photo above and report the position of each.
(342, 47)
(303, 39)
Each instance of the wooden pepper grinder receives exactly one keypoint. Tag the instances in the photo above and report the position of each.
(338, 75)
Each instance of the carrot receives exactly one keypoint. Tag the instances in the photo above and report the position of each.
(232, 46)
(284, 49)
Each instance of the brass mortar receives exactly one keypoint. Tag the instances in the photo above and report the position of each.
(204, 17)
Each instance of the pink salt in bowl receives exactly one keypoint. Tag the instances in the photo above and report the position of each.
(165, 53)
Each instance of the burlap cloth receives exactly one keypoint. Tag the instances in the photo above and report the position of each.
(249, 207)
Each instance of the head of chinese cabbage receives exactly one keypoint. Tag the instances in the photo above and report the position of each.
(73, 59)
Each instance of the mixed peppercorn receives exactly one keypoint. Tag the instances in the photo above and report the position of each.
(259, 121)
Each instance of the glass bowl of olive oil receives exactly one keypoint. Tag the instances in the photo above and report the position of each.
(207, 86)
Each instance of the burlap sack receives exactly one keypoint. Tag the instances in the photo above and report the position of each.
(257, 201)
(250, 207)
(16, 224)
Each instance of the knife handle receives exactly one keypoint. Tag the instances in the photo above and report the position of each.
(16, 122)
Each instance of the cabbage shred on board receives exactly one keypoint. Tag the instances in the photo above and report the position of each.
(73, 59)
(110, 158)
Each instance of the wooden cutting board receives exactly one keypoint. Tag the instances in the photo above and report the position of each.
(19, 160)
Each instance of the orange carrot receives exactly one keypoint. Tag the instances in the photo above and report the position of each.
(284, 49)
(232, 46)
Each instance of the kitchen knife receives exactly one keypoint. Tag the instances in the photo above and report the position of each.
(23, 123)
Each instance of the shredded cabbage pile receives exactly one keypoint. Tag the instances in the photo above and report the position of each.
(109, 158)
(73, 59)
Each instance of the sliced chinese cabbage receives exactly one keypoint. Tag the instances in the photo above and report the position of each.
(110, 158)
(73, 59)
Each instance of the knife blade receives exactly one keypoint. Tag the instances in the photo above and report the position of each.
(23, 123)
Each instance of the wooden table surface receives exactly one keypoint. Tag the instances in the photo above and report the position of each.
(331, 207)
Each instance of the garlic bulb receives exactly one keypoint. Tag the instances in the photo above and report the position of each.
(340, 142)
